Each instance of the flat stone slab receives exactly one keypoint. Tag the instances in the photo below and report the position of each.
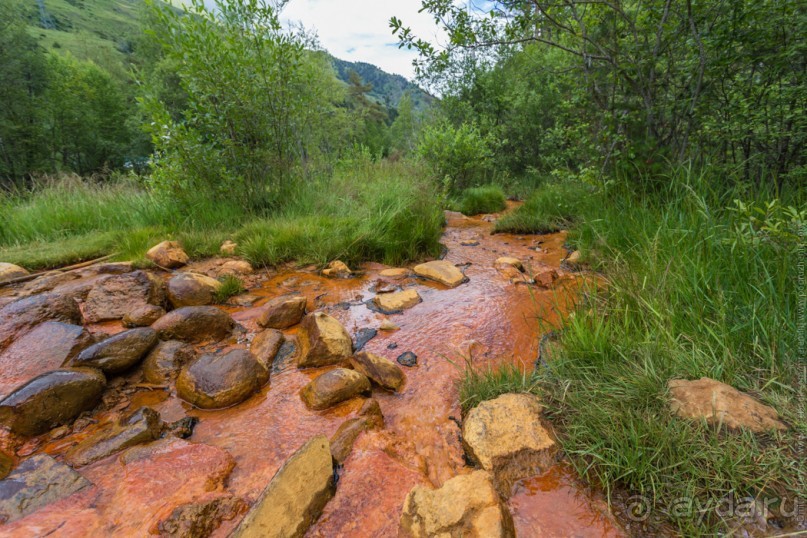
(441, 271)
(397, 301)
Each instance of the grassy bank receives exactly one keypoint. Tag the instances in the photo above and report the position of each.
(366, 211)
(699, 286)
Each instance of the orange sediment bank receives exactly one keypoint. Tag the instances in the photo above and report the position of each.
(490, 320)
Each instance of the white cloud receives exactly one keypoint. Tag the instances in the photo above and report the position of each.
(358, 30)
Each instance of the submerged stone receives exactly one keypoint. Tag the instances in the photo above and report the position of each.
(408, 359)
(362, 336)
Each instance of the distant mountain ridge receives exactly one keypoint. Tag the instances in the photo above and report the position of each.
(387, 88)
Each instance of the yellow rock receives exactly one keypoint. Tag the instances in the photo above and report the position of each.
(9, 271)
(295, 497)
(379, 370)
(467, 505)
(395, 272)
(387, 325)
(441, 271)
(228, 248)
(394, 302)
(324, 341)
(168, 254)
(333, 387)
(337, 269)
(512, 262)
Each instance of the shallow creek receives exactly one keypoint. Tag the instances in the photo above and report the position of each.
(487, 321)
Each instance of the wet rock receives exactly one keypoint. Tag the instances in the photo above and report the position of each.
(324, 341)
(194, 324)
(395, 272)
(392, 345)
(466, 505)
(389, 303)
(370, 417)
(118, 353)
(362, 336)
(441, 271)
(143, 426)
(218, 380)
(546, 279)
(164, 361)
(379, 370)
(45, 347)
(51, 399)
(115, 296)
(333, 387)
(282, 312)
(243, 300)
(182, 428)
(469, 243)
(168, 254)
(511, 262)
(9, 271)
(286, 356)
(22, 315)
(36, 482)
(228, 248)
(721, 404)
(506, 436)
(387, 325)
(143, 316)
(49, 281)
(408, 359)
(265, 346)
(295, 497)
(337, 269)
(200, 519)
(192, 289)
(6, 464)
(235, 268)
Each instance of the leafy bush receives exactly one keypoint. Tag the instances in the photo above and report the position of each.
(487, 199)
(462, 157)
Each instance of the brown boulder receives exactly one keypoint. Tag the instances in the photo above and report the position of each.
(370, 417)
(466, 505)
(721, 404)
(265, 346)
(115, 296)
(118, 353)
(397, 301)
(282, 312)
(143, 316)
(194, 324)
(51, 399)
(22, 315)
(168, 254)
(162, 364)
(218, 380)
(337, 269)
(295, 497)
(192, 289)
(441, 271)
(200, 519)
(46, 347)
(36, 482)
(142, 426)
(379, 370)
(332, 387)
(324, 341)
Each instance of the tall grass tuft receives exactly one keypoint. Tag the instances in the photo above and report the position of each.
(485, 199)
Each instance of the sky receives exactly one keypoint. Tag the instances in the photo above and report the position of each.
(358, 30)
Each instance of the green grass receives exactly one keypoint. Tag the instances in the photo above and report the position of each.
(551, 208)
(230, 285)
(485, 199)
(366, 211)
(479, 385)
(691, 293)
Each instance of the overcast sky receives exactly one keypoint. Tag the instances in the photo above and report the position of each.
(358, 30)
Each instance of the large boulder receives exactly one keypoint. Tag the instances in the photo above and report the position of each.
(142, 426)
(9, 271)
(441, 271)
(118, 353)
(51, 399)
(324, 341)
(506, 436)
(332, 387)
(192, 289)
(370, 417)
(467, 505)
(295, 497)
(194, 324)
(721, 404)
(168, 254)
(282, 312)
(115, 296)
(46, 347)
(379, 370)
(390, 303)
(36, 482)
(22, 315)
(143, 316)
(265, 346)
(217, 380)
(164, 361)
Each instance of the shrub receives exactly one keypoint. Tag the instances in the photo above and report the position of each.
(462, 157)
(487, 199)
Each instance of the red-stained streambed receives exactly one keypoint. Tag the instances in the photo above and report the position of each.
(489, 320)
